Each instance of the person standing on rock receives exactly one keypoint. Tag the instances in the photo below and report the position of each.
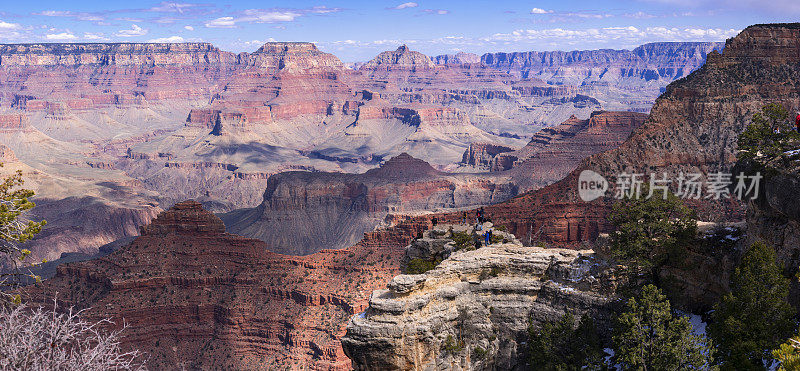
(797, 122)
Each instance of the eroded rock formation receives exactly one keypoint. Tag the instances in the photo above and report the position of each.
(304, 212)
(473, 310)
(196, 297)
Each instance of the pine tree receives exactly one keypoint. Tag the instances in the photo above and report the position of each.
(788, 354)
(648, 230)
(14, 202)
(649, 336)
(755, 317)
(565, 345)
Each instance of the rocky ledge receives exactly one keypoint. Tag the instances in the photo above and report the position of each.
(472, 311)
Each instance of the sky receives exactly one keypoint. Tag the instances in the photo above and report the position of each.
(358, 30)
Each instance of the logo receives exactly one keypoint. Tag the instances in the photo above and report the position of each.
(591, 185)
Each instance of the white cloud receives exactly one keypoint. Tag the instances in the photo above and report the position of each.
(540, 11)
(586, 15)
(436, 11)
(639, 15)
(172, 7)
(94, 36)
(134, 31)
(188, 28)
(55, 13)
(9, 26)
(322, 9)
(64, 36)
(626, 35)
(222, 22)
(776, 6)
(268, 16)
(81, 16)
(406, 5)
(171, 39)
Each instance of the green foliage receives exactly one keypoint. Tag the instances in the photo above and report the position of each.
(493, 272)
(452, 346)
(648, 230)
(565, 345)
(419, 266)
(649, 336)
(479, 353)
(462, 240)
(755, 317)
(788, 354)
(760, 141)
(14, 229)
(13, 203)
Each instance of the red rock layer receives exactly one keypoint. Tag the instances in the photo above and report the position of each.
(693, 127)
(482, 154)
(196, 297)
(305, 212)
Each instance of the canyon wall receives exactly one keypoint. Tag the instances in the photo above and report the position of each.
(693, 127)
(193, 296)
(304, 212)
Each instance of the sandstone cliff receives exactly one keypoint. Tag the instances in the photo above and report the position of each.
(693, 127)
(305, 212)
(400, 58)
(664, 60)
(196, 297)
(472, 311)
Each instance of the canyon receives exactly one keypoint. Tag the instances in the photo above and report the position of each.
(193, 296)
(693, 126)
(301, 155)
(134, 128)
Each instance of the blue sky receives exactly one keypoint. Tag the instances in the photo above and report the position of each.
(357, 30)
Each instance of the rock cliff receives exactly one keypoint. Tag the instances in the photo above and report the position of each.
(139, 124)
(196, 297)
(693, 127)
(305, 212)
(472, 311)
(654, 61)
(402, 58)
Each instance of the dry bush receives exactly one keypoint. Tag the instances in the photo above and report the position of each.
(44, 339)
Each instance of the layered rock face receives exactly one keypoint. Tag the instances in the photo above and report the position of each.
(166, 122)
(775, 218)
(693, 127)
(196, 297)
(400, 58)
(482, 154)
(458, 58)
(304, 212)
(553, 152)
(475, 302)
(665, 60)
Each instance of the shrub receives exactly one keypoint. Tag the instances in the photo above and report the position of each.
(565, 345)
(755, 317)
(788, 354)
(760, 141)
(649, 336)
(452, 346)
(419, 266)
(42, 339)
(462, 240)
(479, 352)
(649, 230)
